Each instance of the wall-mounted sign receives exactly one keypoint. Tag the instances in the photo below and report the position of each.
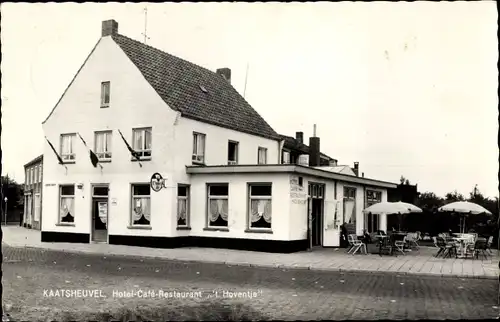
(297, 194)
(158, 182)
(50, 184)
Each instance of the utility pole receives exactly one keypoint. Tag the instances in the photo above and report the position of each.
(246, 79)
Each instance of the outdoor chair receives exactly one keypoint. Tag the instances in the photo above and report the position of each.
(412, 240)
(445, 249)
(479, 247)
(400, 243)
(419, 235)
(488, 244)
(386, 245)
(356, 244)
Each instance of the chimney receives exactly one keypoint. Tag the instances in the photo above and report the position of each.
(314, 152)
(356, 168)
(299, 136)
(225, 72)
(109, 27)
(362, 174)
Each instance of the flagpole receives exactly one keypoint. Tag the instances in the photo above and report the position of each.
(58, 157)
(90, 151)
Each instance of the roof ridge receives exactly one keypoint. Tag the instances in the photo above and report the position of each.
(164, 52)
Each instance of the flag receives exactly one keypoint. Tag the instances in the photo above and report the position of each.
(93, 157)
(61, 162)
(132, 152)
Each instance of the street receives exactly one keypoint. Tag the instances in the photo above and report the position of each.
(28, 274)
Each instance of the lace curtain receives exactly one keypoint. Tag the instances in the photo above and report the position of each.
(66, 145)
(141, 208)
(103, 217)
(99, 145)
(349, 215)
(218, 207)
(261, 208)
(67, 207)
(181, 209)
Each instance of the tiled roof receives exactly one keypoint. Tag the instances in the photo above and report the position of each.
(35, 160)
(196, 92)
(293, 144)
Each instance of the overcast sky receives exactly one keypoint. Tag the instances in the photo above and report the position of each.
(404, 88)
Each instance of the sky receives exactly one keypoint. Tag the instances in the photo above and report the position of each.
(402, 88)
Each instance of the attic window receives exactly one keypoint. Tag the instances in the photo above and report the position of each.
(203, 89)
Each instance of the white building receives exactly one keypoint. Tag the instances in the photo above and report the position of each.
(225, 182)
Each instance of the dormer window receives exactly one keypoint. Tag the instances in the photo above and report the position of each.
(232, 153)
(105, 93)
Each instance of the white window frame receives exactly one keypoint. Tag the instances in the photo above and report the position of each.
(198, 156)
(236, 152)
(286, 157)
(71, 155)
(264, 151)
(105, 86)
(32, 175)
(105, 155)
(61, 196)
(142, 151)
(250, 198)
(27, 176)
(184, 199)
(133, 202)
(40, 173)
(38, 208)
(216, 197)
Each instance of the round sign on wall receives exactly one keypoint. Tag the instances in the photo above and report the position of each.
(156, 182)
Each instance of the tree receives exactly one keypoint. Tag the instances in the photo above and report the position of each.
(429, 201)
(13, 191)
(454, 196)
(404, 181)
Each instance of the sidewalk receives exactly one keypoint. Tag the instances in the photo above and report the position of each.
(419, 262)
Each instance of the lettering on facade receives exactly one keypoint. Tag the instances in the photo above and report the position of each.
(297, 193)
(50, 184)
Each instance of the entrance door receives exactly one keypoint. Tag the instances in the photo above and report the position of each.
(100, 214)
(316, 195)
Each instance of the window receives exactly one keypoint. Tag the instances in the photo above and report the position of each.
(67, 151)
(260, 208)
(182, 206)
(350, 207)
(372, 220)
(286, 157)
(198, 148)
(105, 92)
(67, 204)
(141, 205)
(262, 158)
(32, 175)
(218, 205)
(142, 142)
(40, 173)
(36, 216)
(103, 145)
(232, 153)
(27, 177)
(35, 174)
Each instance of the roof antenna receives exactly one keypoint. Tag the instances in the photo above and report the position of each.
(145, 24)
(246, 79)
(314, 130)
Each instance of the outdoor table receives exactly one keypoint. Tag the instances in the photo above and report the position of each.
(462, 240)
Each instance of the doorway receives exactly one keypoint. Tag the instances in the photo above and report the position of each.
(100, 213)
(316, 204)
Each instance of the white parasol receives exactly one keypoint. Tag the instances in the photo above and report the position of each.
(464, 208)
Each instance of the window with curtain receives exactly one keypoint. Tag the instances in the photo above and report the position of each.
(182, 206)
(142, 142)
(37, 208)
(40, 173)
(103, 145)
(350, 206)
(67, 152)
(260, 206)
(262, 156)
(67, 204)
(141, 205)
(32, 175)
(105, 94)
(218, 203)
(198, 148)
